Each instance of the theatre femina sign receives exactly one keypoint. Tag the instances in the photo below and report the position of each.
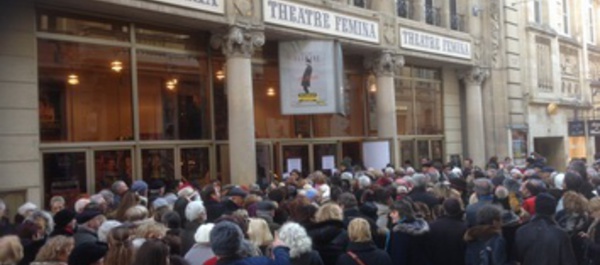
(288, 14)
(215, 6)
(433, 43)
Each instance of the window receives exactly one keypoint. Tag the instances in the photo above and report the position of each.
(404, 8)
(565, 17)
(544, 65)
(537, 11)
(432, 13)
(110, 166)
(419, 102)
(591, 22)
(457, 21)
(65, 175)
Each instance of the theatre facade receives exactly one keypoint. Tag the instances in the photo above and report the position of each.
(240, 91)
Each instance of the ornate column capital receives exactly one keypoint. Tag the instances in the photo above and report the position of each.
(238, 41)
(384, 63)
(474, 76)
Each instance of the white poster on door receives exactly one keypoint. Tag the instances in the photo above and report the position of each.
(376, 154)
(294, 163)
(328, 162)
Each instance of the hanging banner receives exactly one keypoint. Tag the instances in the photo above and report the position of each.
(593, 127)
(576, 128)
(310, 81)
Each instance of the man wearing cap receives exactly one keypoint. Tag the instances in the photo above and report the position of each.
(542, 241)
(235, 200)
(64, 223)
(445, 238)
(88, 223)
(266, 211)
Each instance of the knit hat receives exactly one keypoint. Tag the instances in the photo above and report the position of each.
(202, 235)
(237, 192)
(266, 206)
(545, 204)
(26, 207)
(88, 253)
(86, 216)
(63, 217)
(139, 186)
(226, 239)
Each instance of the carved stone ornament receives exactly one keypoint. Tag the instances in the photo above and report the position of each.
(474, 76)
(389, 32)
(243, 8)
(238, 41)
(384, 63)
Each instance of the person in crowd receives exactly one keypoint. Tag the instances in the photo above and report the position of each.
(201, 251)
(485, 244)
(574, 219)
(128, 200)
(11, 250)
(80, 204)
(109, 198)
(382, 202)
(120, 248)
(295, 237)
(24, 211)
(88, 223)
(349, 205)
(136, 214)
(227, 240)
(33, 236)
(195, 214)
(57, 203)
(119, 188)
(184, 196)
(407, 239)
(56, 251)
(259, 234)
(6, 228)
(483, 189)
(591, 237)
(89, 253)
(140, 188)
(212, 201)
(266, 211)
(419, 191)
(105, 229)
(530, 189)
(328, 234)
(159, 207)
(361, 249)
(64, 223)
(542, 241)
(445, 238)
(153, 251)
(234, 201)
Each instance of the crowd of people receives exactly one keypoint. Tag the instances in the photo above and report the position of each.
(438, 214)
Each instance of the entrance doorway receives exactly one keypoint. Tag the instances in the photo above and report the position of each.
(553, 149)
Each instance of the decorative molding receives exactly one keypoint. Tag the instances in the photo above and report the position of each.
(495, 34)
(384, 63)
(474, 76)
(243, 8)
(389, 31)
(238, 41)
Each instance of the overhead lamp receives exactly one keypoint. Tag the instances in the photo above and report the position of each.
(373, 88)
(73, 79)
(220, 75)
(116, 66)
(270, 92)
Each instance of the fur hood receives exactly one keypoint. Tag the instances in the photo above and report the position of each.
(481, 232)
(415, 228)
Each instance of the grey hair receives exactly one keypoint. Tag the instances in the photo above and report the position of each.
(105, 228)
(55, 199)
(195, 210)
(434, 176)
(46, 216)
(364, 181)
(115, 186)
(97, 198)
(419, 180)
(108, 196)
(483, 186)
(488, 214)
(296, 238)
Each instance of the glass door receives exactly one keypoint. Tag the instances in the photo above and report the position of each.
(65, 174)
(352, 153)
(264, 164)
(325, 157)
(195, 165)
(111, 165)
(295, 156)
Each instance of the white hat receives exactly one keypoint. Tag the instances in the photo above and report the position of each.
(28, 206)
(202, 235)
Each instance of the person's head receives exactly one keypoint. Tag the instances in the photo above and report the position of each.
(119, 187)
(347, 200)
(329, 211)
(88, 253)
(202, 235)
(364, 182)
(56, 249)
(43, 220)
(468, 163)
(27, 209)
(572, 181)
(99, 200)
(237, 195)
(105, 229)
(402, 209)
(81, 204)
(171, 220)
(128, 200)
(2, 208)
(57, 203)
(453, 207)
(295, 237)
(210, 193)
(151, 230)
(595, 207)
(136, 213)
(109, 197)
(420, 180)
(140, 187)
(226, 239)
(90, 219)
(64, 219)
(120, 248)
(195, 211)
(489, 215)
(359, 230)
(259, 232)
(533, 187)
(483, 187)
(11, 250)
(153, 251)
(545, 205)
(575, 203)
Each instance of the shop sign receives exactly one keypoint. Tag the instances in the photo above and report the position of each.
(576, 128)
(593, 127)
(216, 6)
(310, 75)
(433, 43)
(288, 14)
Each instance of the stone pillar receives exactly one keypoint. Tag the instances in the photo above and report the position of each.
(384, 65)
(238, 45)
(473, 79)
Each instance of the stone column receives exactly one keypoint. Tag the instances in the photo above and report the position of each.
(473, 79)
(238, 45)
(384, 65)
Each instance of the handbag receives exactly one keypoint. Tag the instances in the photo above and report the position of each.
(355, 258)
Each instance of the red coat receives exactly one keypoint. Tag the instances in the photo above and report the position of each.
(529, 205)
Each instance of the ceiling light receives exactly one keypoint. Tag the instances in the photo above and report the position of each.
(116, 66)
(270, 92)
(73, 79)
(171, 85)
(220, 75)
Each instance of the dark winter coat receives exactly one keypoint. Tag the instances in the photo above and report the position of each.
(30, 250)
(445, 241)
(367, 252)
(484, 238)
(6, 228)
(472, 209)
(229, 207)
(214, 210)
(421, 195)
(307, 258)
(187, 237)
(329, 239)
(84, 235)
(407, 244)
(179, 208)
(592, 244)
(281, 257)
(574, 224)
(62, 231)
(543, 242)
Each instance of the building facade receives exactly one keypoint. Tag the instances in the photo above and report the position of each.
(99, 90)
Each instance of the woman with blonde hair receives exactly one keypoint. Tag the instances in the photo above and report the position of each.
(56, 251)
(328, 234)
(120, 248)
(591, 238)
(11, 250)
(574, 218)
(301, 252)
(361, 249)
(259, 234)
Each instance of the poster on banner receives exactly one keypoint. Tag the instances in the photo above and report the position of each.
(310, 79)
(593, 128)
